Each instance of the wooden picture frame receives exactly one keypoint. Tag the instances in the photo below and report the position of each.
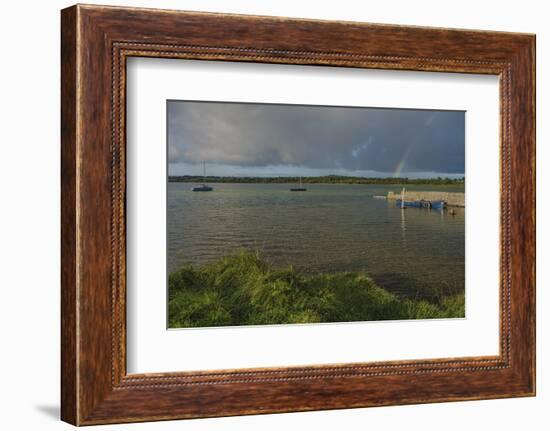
(95, 43)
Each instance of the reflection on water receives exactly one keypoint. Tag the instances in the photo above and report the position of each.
(329, 228)
(403, 225)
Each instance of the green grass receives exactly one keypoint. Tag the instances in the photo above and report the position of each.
(244, 289)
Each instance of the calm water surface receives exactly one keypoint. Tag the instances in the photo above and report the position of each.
(329, 228)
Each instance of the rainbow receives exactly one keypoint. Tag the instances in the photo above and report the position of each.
(399, 168)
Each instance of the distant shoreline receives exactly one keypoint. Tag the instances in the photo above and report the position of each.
(329, 179)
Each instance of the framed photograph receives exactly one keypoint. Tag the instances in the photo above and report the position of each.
(264, 215)
(258, 250)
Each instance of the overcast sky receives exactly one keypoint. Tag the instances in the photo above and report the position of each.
(238, 139)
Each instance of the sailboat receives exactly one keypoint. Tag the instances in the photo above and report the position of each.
(299, 189)
(203, 187)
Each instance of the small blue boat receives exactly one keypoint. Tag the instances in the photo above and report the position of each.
(440, 204)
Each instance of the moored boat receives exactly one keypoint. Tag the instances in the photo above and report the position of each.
(439, 204)
(203, 187)
(419, 203)
(299, 189)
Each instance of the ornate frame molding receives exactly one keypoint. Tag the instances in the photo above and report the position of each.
(96, 41)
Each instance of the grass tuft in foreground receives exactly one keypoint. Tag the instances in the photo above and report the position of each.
(243, 289)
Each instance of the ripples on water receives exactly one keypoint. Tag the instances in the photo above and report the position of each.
(329, 228)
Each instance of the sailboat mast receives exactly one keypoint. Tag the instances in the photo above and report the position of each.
(204, 171)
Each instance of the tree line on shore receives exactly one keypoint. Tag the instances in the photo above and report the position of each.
(328, 179)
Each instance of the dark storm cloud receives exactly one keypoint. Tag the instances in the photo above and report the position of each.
(349, 139)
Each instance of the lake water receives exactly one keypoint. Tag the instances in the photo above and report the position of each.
(329, 228)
